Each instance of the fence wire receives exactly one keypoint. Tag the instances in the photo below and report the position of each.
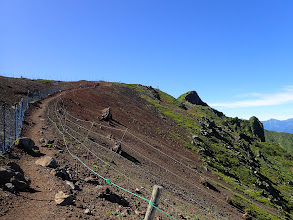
(11, 117)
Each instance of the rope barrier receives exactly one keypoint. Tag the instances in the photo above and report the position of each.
(108, 149)
(146, 171)
(130, 147)
(108, 164)
(107, 180)
(126, 131)
(177, 161)
(186, 181)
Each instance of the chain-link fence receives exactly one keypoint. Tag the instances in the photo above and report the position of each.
(11, 118)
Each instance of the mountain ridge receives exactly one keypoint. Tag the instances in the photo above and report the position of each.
(225, 161)
(279, 125)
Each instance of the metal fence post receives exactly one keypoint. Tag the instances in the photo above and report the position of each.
(15, 122)
(15, 119)
(4, 129)
(21, 113)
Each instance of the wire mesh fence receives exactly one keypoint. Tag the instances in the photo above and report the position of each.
(11, 118)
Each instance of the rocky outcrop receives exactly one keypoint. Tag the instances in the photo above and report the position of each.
(153, 92)
(257, 128)
(193, 98)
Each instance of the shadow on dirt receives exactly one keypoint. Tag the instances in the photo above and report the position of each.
(129, 157)
(114, 198)
(115, 123)
(30, 190)
(210, 186)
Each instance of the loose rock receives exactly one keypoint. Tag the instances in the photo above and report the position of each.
(71, 184)
(87, 212)
(47, 161)
(117, 148)
(63, 199)
(106, 114)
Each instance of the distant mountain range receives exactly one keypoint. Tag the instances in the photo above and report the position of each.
(278, 125)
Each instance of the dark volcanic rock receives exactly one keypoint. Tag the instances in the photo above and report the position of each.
(6, 175)
(28, 145)
(257, 128)
(16, 180)
(25, 143)
(193, 98)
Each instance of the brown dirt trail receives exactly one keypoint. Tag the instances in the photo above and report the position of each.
(38, 203)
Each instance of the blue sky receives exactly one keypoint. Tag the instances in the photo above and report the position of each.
(238, 55)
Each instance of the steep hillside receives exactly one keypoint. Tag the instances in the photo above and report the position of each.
(285, 140)
(210, 166)
(279, 125)
(13, 89)
(234, 149)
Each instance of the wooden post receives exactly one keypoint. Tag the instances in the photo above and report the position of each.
(157, 191)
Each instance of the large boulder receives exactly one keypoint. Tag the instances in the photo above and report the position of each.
(16, 179)
(25, 143)
(47, 161)
(28, 145)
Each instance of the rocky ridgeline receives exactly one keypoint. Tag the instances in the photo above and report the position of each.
(193, 98)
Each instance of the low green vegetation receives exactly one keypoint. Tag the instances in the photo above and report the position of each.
(282, 138)
(40, 80)
(235, 150)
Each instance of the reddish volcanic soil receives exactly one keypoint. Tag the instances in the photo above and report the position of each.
(152, 153)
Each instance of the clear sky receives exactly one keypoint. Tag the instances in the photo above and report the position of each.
(237, 54)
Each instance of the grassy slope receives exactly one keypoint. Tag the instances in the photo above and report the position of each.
(282, 138)
(233, 150)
